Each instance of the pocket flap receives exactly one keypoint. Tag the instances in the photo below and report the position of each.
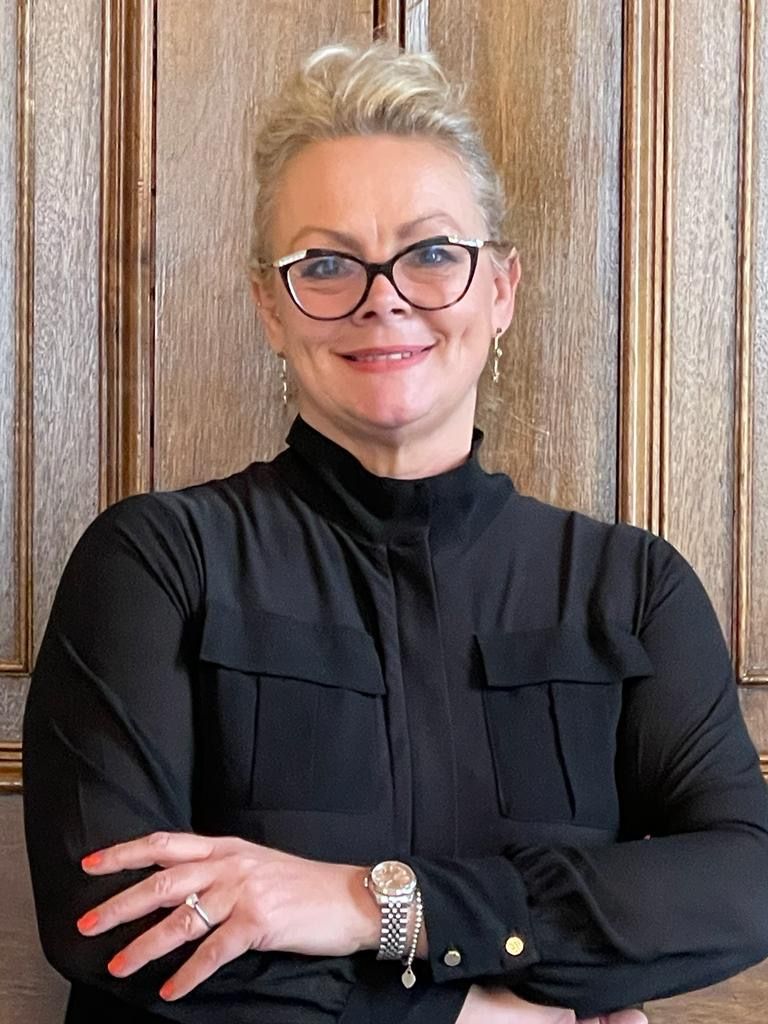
(585, 654)
(265, 643)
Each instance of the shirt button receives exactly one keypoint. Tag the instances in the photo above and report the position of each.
(452, 958)
(514, 945)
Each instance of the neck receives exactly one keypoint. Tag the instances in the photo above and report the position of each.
(398, 454)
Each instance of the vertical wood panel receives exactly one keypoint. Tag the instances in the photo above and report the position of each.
(546, 83)
(703, 108)
(643, 170)
(755, 655)
(10, 653)
(217, 397)
(65, 91)
(127, 241)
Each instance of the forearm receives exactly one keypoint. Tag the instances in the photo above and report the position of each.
(604, 927)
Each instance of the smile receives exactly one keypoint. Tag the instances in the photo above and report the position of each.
(385, 355)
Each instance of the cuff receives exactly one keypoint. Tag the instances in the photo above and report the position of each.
(478, 924)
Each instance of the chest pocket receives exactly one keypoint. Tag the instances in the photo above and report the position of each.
(552, 703)
(293, 712)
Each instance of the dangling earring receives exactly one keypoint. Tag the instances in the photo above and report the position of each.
(498, 352)
(283, 380)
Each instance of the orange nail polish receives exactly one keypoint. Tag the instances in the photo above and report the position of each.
(88, 921)
(117, 964)
(92, 860)
(167, 990)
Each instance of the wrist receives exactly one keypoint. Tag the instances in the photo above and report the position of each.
(364, 915)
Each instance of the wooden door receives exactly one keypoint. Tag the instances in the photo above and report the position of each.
(633, 139)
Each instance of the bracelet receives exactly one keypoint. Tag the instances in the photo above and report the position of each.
(408, 978)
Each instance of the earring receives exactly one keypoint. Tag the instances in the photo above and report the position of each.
(283, 380)
(498, 352)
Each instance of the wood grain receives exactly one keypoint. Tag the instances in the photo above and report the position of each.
(643, 167)
(702, 204)
(217, 393)
(31, 992)
(546, 83)
(10, 652)
(127, 244)
(67, 95)
(756, 646)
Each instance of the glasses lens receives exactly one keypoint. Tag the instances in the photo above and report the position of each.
(327, 286)
(433, 275)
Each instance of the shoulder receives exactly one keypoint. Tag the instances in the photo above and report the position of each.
(609, 559)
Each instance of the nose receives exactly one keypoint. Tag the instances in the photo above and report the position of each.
(382, 301)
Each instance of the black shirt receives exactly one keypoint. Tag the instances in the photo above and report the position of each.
(508, 695)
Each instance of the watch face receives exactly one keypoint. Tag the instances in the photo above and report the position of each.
(393, 878)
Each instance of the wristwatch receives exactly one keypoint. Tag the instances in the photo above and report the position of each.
(393, 885)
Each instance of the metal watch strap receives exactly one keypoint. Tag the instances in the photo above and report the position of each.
(393, 940)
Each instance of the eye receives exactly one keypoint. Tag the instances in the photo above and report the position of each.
(324, 268)
(432, 256)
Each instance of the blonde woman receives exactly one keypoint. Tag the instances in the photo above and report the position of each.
(364, 734)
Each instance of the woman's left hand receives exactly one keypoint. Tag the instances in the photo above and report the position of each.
(255, 897)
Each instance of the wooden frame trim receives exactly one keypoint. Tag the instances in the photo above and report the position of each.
(127, 249)
(388, 20)
(10, 767)
(644, 269)
(24, 313)
(414, 25)
(744, 412)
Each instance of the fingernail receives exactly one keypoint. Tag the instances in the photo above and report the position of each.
(167, 990)
(92, 860)
(88, 921)
(117, 964)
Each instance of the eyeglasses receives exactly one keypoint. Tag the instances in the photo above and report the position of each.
(432, 274)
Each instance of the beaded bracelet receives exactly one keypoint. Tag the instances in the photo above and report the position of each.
(408, 978)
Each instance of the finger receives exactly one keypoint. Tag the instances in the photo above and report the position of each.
(223, 945)
(167, 888)
(184, 925)
(163, 848)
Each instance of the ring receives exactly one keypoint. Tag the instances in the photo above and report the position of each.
(193, 900)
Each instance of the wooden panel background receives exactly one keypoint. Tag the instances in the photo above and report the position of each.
(552, 123)
(10, 655)
(755, 570)
(216, 381)
(632, 139)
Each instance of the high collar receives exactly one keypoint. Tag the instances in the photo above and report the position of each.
(450, 506)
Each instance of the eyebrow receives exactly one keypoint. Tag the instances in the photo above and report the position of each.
(353, 243)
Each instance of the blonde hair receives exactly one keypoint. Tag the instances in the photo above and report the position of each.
(346, 89)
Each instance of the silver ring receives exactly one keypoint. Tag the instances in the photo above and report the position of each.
(193, 900)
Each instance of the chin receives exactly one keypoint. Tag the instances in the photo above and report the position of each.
(393, 418)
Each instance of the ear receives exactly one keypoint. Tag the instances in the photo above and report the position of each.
(506, 279)
(266, 304)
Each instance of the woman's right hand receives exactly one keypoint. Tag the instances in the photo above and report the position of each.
(500, 1006)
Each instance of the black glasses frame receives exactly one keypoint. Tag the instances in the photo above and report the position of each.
(472, 245)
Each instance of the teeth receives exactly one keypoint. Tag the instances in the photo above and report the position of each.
(380, 358)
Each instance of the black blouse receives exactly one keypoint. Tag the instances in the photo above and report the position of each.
(535, 709)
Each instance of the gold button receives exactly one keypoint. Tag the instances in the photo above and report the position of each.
(452, 958)
(514, 945)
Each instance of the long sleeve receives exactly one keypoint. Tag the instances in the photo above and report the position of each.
(602, 927)
(109, 756)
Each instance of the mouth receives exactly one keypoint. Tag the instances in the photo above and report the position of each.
(389, 355)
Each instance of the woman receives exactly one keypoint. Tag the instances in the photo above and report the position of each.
(367, 697)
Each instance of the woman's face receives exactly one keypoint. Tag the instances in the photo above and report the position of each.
(382, 193)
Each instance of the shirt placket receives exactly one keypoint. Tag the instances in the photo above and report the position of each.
(425, 697)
